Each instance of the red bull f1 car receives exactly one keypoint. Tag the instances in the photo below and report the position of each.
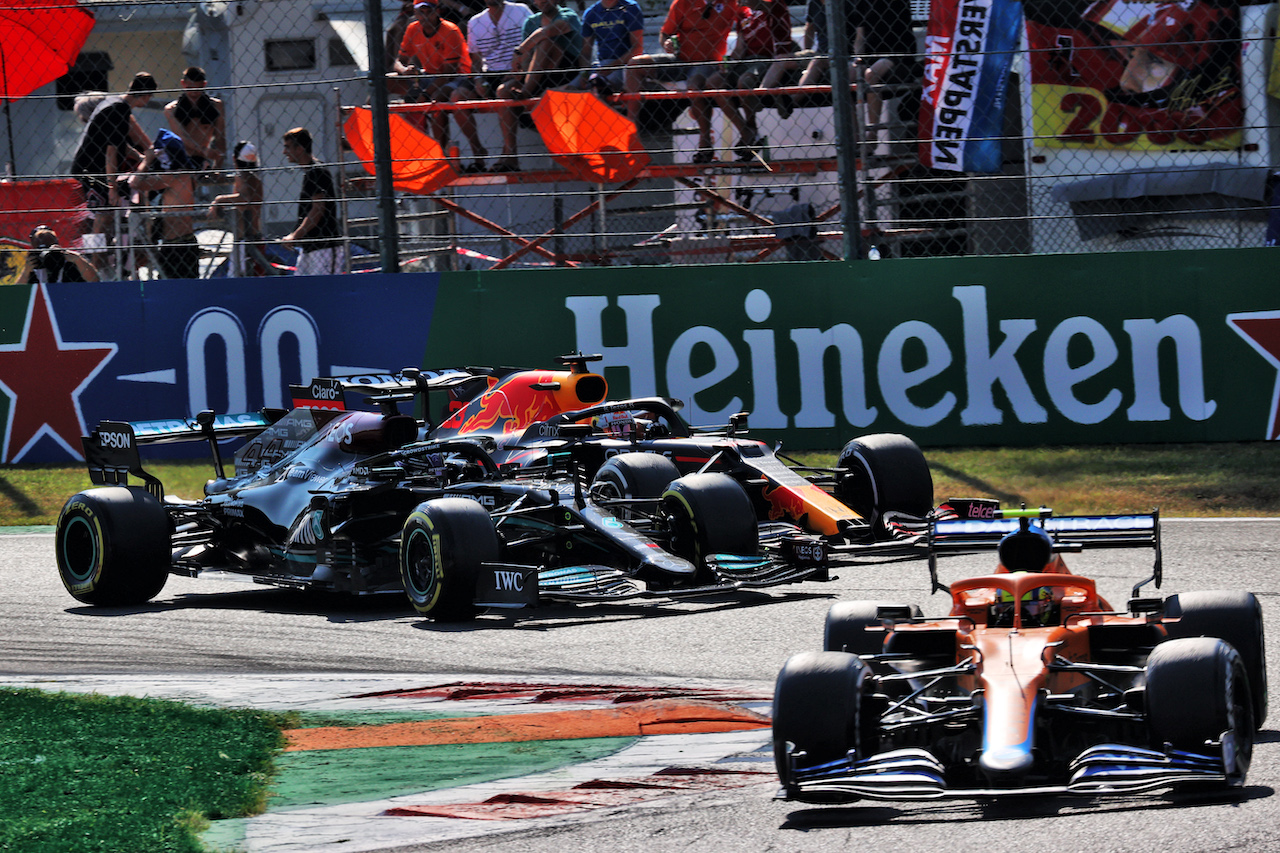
(1031, 684)
(531, 488)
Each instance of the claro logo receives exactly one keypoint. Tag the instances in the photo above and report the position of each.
(324, 392)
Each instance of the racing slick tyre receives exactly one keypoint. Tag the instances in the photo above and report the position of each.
(884, 473)
(709, 514)
(1198, 691)
(817, 710)
(442, 545)
(113, 546)
(847, 623)
(1232, 616)
(634, 476)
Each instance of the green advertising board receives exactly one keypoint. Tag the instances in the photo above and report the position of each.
(1143, 347)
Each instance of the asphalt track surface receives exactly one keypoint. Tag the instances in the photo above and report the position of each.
(228, 634)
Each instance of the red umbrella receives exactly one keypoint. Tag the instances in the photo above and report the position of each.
(417, 160)
(589, 139)
(39, 42)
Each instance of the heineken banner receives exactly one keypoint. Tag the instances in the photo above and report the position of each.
(1178, 346)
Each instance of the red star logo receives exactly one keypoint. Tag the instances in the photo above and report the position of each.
(43, 378)
(1261, 330)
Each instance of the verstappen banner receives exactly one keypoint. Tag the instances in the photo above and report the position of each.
(968, 52)
(1143, 76)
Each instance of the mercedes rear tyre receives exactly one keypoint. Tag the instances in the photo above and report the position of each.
(1232, 616)
(1197, 695)
(817, 712)
(710, 514)
(847, 623)
(634, 476)
(884, 473)
(113, 546)
(442, 545)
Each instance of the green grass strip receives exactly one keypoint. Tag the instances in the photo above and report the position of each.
(98, 773)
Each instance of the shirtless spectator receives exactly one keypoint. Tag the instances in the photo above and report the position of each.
(199, 120)
(694, 36)
(166, 181)
(245, 199)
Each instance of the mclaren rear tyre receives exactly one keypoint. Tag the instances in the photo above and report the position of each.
(634, 476)
(1198, 692)
(884, 473)
(442, 546)
(113, 546)
(817, 712)
(1232, 616)
(710, 514)
(847, 623)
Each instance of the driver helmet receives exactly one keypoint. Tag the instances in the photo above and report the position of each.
(623, 425)
(1036, 604)
(1026, 550)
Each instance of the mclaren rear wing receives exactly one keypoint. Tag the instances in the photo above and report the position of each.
(977, 526)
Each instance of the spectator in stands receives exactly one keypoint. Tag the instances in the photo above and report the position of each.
(694, 35)
(433, 51)
(882, 44)
(109, 150)
(548, 56)
(199, 120)
(245, 199)
(764, 33)
(492, 37)
(47, 261)
(615, 30)
(316, 236)
(166, 181)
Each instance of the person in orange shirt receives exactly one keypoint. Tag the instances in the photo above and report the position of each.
(694, 36)
(435, 52)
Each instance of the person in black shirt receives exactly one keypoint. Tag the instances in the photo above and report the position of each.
(111, 148)
(316, 236)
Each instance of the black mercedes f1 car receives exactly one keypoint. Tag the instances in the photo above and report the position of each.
(532, 488)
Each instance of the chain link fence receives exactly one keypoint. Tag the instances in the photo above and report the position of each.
(976, 127)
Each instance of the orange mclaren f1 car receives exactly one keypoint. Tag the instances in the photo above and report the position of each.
(1033, 683)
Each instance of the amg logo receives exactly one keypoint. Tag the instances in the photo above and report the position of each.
(483, 500)
(506, 581)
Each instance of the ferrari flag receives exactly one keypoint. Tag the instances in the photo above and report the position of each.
(968, 52)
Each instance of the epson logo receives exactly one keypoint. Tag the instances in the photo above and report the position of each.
(116, 440)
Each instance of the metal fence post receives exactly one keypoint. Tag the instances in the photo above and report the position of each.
(842, 106)
(390, 236)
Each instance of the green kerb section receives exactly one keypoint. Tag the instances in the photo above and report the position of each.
(334, 777)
